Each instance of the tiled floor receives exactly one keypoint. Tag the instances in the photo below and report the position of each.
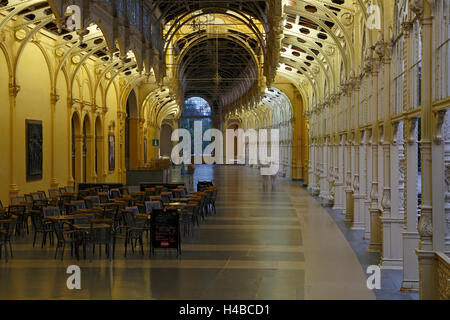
(260, 245)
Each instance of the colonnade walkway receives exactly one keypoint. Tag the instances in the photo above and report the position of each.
(277, 244)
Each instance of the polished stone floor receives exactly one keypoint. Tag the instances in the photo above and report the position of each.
(278, 244)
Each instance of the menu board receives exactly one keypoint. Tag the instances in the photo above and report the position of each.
(165, 230)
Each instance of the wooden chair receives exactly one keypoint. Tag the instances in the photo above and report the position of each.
(51, 212)
(92, 201)
(5, 238)
(115, 193)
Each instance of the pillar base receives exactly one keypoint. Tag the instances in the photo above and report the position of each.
(391, 264)
(392, 227)
(410, 262)
(339, 197)
(427, 275)
(410, 286)
(349, 206)
(376, 244)
(13, 191)
(358, 219)
(325, 198)
(315, 191)
(54, 184)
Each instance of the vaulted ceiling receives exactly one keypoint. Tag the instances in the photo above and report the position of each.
(224, 64)
(220, 50)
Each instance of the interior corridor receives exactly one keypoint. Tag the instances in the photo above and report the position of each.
(261, 245)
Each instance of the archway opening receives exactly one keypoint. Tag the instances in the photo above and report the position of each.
(131, 133)
(98, 149)
(86, 149)
(76, 150)
(196, 109)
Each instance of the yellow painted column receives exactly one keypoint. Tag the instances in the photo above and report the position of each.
(13, 91)
(53, 100)
(426, 256)
(120, 145)
(100, 158)
(90, 174)
(140, 143)
(78, 158)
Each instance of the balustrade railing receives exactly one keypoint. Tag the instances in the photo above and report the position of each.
(443, 276)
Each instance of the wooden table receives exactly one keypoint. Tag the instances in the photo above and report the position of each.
(67, 217)
(175, 204)
(85, 227)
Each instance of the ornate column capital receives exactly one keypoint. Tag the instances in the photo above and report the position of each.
(54, 97)
(368, 64)
(417, 6)
(14, 89)
(411, 131)
(440, 121)
(406, 27)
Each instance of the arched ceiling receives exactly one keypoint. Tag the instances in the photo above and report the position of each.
(173, 9)
(220, 50)
(212, 67)
(318, 46)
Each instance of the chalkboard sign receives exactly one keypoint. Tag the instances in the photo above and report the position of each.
(165, 230)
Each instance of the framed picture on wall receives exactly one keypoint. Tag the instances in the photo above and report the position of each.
(112, 152)
(34, 153)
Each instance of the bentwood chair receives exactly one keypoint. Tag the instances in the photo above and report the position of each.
(177, 193)
(17, 200)
(133, 210)
(5, 238)
(119, 230)
(51, 212)
(196, 209)
(38, 200)
(124, 191)
(138, 197)
(92, 201)
(83, 194)
(213, 199)
(64, 236)
(79, 205)
(153, 205)
(150, 192)
(134, 231)
(115, 193)
(166, 197)
(146, 210)
(43, 227)
(19, 213)
(104, 197)
(99, 237)
(54, 195)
